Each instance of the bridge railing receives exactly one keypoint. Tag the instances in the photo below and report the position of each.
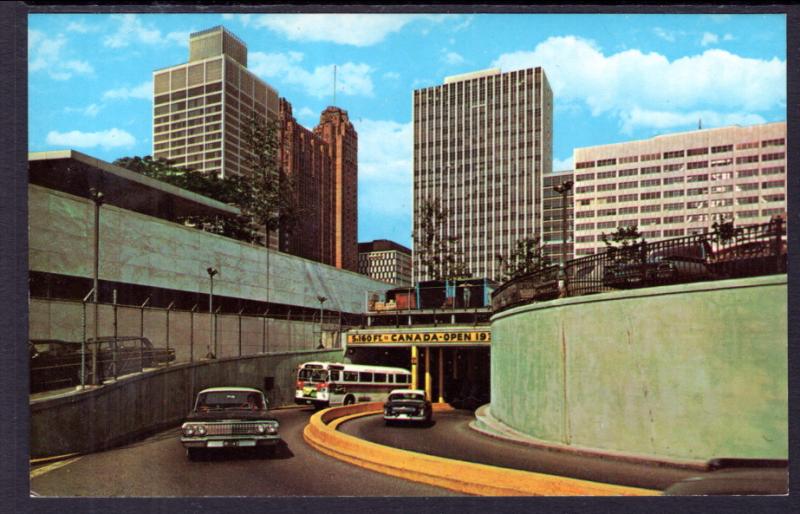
(727, 252)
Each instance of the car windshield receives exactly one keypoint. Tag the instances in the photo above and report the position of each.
(405, 396)
(313, 375)
(230, 400)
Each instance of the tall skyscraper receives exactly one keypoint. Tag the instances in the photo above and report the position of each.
(482, 144)
(201, 109)
(386, 261)
(679, 184)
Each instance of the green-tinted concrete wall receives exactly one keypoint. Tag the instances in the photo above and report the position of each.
(684, 372)
(148, 251)
(113, 414)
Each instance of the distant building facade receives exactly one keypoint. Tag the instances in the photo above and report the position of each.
(482, 145)
(200, 111)
(553, 218)
(679, 184)
(386, 261)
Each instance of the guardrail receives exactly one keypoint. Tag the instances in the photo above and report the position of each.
(724, 253)
(464, 477)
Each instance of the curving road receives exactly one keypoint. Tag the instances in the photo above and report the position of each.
(451, 437)
(158, 466)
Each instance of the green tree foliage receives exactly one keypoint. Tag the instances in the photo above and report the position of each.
(626, 244)
(265, 197)
(271, 194)
(437, 252)
(527, 257)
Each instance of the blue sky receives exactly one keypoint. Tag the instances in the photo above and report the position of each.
(614, 78)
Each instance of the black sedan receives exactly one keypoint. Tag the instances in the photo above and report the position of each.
(408, 405)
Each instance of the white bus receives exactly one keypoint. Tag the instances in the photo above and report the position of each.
(323, 384)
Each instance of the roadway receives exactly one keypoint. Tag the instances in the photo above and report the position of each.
(157, 466)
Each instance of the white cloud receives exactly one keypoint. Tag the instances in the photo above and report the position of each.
(452, 57)
(384, 150)
(562, 164)
(391, 75)
(305, 113)
(620, 83)
(81, 27)
(180, 37)
(90, 110)
(46, 53)
(640, 118)
(351, 78)
(143, 91)
(664, 34)
(112, 138)
(343, 29)
(728, 37)
(131, 30)
(709, 38)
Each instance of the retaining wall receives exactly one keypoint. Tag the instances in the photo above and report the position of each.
(692, 371)
(115, 413)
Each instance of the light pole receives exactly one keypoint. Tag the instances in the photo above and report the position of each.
(563, 189)
(321, 300)
(97, 198)
(212, 335)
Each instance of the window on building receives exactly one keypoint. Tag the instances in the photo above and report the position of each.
(629, 159)
(771, 184)
(673, 167)
(584, 165)
(674, 154)
(629, 172)
(747, 159)
(673, 206)
(629, 185)
(650, 183)
(697, 151)
(747, 146)
(650, 157)
(628, 210)
(628, 198)
(697, 165)
(651, 196)
(773, 142)
(773, 156)
(775, 170)
(721, 148)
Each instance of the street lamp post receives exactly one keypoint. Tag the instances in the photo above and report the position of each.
(563, 189)
(321, 300)
(97, 198)
(212, 336)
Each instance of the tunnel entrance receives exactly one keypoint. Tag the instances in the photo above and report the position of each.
(453, 374)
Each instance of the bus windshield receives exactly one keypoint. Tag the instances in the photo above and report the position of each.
(313, 375)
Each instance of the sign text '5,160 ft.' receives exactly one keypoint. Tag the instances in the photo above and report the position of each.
(477, 336)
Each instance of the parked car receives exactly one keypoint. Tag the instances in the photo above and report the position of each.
(54, 364)
(407, 405)
(663, 265)
(750, 258)
(129, 354)
(229, 417)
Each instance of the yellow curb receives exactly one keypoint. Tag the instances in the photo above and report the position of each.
(460, 476)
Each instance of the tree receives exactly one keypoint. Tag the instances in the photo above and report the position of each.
(437, 252)
(626, 243)
(270, 198)
(207, 184)
(527, 257)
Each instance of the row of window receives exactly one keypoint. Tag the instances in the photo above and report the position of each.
(674, 154)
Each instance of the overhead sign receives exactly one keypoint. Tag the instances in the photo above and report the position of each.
(474, 336)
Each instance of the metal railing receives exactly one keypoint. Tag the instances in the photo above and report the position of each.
(728, 252)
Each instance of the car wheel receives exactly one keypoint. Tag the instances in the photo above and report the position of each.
(349, 400)
(193, 453)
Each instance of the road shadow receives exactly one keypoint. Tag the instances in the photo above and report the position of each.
(281, 451)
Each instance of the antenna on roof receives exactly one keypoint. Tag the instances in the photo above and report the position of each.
(334, 85)
(699, 123)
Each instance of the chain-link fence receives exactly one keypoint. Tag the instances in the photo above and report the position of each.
(80, 342)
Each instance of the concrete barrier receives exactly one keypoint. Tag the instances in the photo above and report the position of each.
(119, 412)
(464, 477)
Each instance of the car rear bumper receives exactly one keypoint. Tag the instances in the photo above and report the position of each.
(230, 442)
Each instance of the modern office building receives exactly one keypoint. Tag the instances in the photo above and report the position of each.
(679, 184)
(553, 217)
(201, 109)
(482, 145)
(386, 261)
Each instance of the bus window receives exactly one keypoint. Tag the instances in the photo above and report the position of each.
(351, 376)
(390, 378)
(335, 374)
(365, 377)
(380, 377)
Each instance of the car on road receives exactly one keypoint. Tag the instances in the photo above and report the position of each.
(668, 264)
(229, 417)
(54, 364)
(407, 405)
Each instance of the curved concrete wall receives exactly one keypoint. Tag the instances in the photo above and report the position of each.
(687, 372)
(116, 413)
